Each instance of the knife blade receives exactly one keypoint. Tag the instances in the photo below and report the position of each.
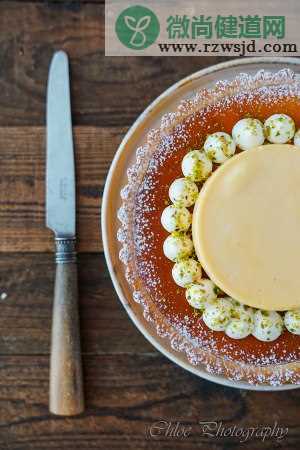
(60, 190)
(66, 387)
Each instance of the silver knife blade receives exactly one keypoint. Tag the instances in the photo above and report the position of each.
(60, 177)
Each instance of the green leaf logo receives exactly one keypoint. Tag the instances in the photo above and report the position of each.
(137, 27)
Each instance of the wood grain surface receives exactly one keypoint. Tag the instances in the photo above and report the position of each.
(22, 186)
(129, 386)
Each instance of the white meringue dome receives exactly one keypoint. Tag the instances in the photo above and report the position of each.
(242, 321)
(239, 328)
(183, 192)
(178, 246)
(186, 272)
(196, 166)
(248, 133)
(292, 321)
(279, 128)
(268, 325)
(219, 147)
(201, 294)
(218, 314)
(175, 218)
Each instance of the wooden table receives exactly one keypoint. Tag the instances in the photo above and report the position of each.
(129, 385)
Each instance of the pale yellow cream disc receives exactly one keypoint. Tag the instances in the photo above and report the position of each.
(246, 227)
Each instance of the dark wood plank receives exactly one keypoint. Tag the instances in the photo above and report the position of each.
(25, 318)
(106, 90)
(126, 395)
(22, 186)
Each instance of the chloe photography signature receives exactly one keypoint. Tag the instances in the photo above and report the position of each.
(215, 430)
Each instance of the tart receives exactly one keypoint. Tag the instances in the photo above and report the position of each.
(215, 152)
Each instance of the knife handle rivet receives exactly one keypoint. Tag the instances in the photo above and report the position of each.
(65, 250)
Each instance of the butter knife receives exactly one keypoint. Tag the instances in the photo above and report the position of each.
(66, 387)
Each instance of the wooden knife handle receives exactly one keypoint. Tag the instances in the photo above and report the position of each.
(66, 386)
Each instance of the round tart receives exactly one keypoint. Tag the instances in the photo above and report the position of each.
(213, 137)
